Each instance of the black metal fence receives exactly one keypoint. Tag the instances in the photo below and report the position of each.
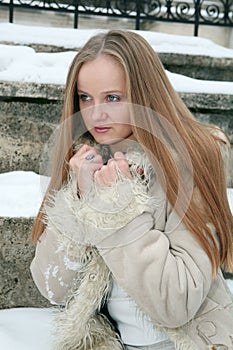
(196, 12)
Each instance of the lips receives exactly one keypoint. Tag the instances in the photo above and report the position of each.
(101, 129)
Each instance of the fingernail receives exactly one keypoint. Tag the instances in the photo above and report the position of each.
(119, 155)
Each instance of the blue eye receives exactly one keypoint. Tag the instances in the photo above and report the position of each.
(84, 97)
(113, 98)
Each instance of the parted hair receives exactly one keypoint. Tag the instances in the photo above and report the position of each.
(148, 86)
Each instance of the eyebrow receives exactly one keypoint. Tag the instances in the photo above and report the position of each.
(102, 92)
(111, 91)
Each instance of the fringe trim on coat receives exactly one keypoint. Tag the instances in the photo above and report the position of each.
(102, 211)
(80, 325)
(181, 340)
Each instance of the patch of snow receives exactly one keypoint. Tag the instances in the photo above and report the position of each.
(23, 64)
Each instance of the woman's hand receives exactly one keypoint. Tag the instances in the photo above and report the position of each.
(84, 164)
(108, 174)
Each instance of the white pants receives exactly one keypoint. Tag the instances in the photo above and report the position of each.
(164, 345)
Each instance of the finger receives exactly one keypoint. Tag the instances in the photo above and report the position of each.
(81, 162)
(84, 149)
(90, 155)
(122, 163)
(84, 171)
(106, 176)
(99, 178)
(97, 160)
(110, 170)
(83, 153)
(119, 155)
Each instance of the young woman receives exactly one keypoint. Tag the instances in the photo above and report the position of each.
(135, 224)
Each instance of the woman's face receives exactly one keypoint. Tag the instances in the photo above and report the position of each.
(102, 97)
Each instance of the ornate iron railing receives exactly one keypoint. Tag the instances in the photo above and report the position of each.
(196, 12)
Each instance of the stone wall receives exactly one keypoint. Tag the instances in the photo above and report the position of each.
(17, 288)
(28, 115)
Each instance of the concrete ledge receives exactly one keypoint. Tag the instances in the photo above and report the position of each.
(51, 93)
(199, 67)
(17, 288)
(12, 90)
(210, 102)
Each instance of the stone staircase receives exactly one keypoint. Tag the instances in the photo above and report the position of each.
(29, 113)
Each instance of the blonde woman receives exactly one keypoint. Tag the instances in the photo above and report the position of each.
(135, 224)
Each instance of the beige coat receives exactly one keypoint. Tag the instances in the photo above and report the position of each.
(141, 241)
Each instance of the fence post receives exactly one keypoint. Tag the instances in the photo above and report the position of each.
(76, 3)
(227, 11)
(11, 11)
(197, 15)
(138, 9)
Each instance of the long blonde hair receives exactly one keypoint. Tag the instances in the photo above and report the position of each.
(148, 86)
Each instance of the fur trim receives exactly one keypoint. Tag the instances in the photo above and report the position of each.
(80, 326)
(181, 340)
(102, 211)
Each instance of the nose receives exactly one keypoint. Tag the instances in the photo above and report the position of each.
(99, 112)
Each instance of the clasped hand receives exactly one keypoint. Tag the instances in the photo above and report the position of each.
(88, 168)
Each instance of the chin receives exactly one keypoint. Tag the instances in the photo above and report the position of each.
(103, 140)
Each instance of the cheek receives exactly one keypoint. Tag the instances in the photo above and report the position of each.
(123, 130)
(121, 115)
(125, 121)
(86, 117)
(128, 130)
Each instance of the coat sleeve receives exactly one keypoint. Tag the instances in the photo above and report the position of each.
(167, 273)
(58, 259)
(73, 227)
(53, 269)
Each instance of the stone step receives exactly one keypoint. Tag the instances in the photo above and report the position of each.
(199, 67)
(30, 112)
(17, 288)
(194, 66)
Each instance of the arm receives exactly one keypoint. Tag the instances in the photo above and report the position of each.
(63, 248)
(61, 251)
(57, 258)
(167, 273)
(53, 269)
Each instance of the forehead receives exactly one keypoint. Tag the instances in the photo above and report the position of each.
(104, 70)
